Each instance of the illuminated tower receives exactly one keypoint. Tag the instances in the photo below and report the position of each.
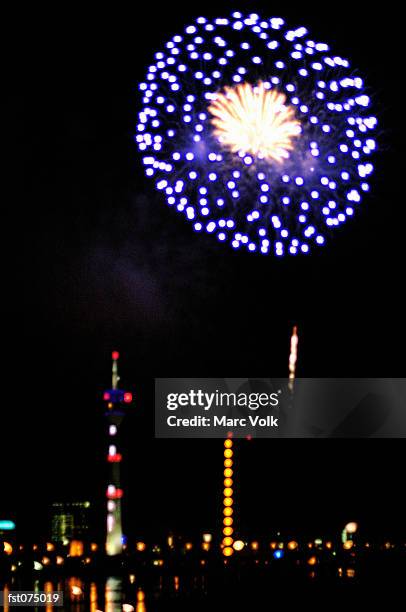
(228, 530)
(115, 400)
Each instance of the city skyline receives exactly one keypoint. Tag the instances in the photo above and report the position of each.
(194, 509)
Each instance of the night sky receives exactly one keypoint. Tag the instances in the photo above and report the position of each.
(95, 261)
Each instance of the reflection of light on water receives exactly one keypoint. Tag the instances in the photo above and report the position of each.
(349, 572)
(113, 595)
(93, 597)
(48, 588)
(140, 601)
(75, 589)
(6, 592)
(84, 595)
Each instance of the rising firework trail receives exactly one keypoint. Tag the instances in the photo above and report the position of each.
(294, 341)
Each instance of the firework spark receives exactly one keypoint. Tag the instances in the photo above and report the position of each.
(255, 120)
(257, 133)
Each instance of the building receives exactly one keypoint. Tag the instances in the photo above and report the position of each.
(70, 521)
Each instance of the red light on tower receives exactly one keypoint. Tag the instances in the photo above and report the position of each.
(113, 492)
(128, 398)
(114, 458)
(115, 355)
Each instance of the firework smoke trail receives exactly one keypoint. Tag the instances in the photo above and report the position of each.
(257, 133)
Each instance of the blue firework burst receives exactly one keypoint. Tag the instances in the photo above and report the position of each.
(246, 198)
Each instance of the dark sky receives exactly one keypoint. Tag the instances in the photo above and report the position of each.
(95, 261)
